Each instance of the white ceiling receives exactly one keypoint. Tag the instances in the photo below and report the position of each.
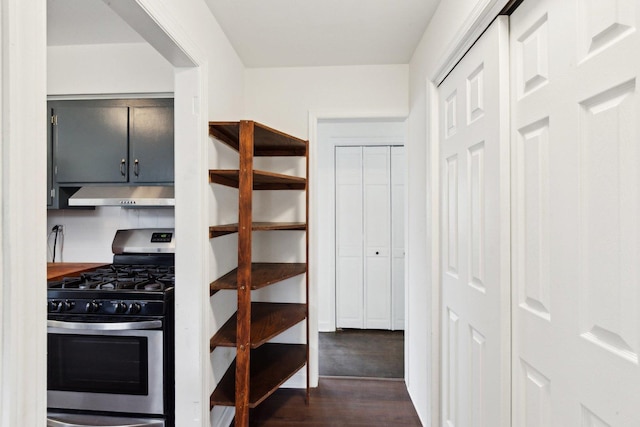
(274, 33)
(269, 33)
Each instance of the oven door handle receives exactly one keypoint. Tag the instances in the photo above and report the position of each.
(115, 326)
(55, 423)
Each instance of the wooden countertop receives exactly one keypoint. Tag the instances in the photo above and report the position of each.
(58, 270)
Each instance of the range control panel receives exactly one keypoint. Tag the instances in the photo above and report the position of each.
(161, 237)
(144, 240)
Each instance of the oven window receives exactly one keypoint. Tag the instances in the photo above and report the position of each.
(98, 364)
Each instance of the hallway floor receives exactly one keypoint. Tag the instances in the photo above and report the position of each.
(339, 402)
(362, 353)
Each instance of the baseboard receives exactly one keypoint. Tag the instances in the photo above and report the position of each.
(225, 418)
(326, 327)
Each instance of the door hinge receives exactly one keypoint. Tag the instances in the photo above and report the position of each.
(54, 119)
(53, 193)
(55, 170)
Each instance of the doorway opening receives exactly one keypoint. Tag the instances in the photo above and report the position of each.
(361, 238)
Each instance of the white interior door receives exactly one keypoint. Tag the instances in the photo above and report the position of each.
(349, 238)
(474, 158)
(576, 213)
(369, 270)
(377, 237)
(398, 162)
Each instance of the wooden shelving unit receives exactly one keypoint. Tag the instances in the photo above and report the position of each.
(260, 366)
(262, 274)
(272, 365)
(267, 321)
(221, 230)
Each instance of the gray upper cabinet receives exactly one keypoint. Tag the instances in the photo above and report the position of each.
(90, 144)
(128, 141)
(151, 144)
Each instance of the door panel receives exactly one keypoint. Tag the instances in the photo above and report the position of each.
(90, 144)
(151, 142)
(397, 237)
(349, 238)
(377, 237)
(576, 239)
(474, 158)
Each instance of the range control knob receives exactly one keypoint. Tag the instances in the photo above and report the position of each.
(54, 306)
(92, 307)
(68, 305)
(120, 307)
(135, 308)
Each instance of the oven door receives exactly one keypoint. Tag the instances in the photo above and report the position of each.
(114, 367)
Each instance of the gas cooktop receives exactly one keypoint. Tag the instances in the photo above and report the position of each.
(121, 278)
(140, 281)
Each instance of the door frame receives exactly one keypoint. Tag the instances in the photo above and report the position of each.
(476, 23)
(317, 262)
(326, 209)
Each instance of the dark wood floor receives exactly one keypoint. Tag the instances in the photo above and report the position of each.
(339, 402)
(362, 353)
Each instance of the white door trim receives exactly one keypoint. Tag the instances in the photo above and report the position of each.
(315, 208)
(23, 375)
(433, 239)
(476, 23)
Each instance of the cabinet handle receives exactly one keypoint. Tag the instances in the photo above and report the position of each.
(123, 164)
(136, 167)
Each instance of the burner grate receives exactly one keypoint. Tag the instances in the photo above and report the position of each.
(121, 278)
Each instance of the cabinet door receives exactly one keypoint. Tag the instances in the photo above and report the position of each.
(151, 144)
(90, 144)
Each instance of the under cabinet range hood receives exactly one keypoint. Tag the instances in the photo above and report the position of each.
(126, 196)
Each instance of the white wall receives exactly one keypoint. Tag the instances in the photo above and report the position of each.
(87, 234)
(452, 20)
(283, 97)
(107, 69)
(286, 98)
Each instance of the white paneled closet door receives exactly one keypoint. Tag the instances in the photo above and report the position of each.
(370, 256)
(398, 162)
(576, 213)
(474, 159)
(349, 241)
(377, 237)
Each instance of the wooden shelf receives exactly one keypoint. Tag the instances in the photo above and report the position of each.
(267, 321)
(267, 141)
(271, 366)
(262, 274)
(261, 180)
(224, 229)
(260, 367)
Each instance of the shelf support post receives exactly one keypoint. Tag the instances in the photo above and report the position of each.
(245, 189)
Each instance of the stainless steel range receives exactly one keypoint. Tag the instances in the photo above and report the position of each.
(110, 338)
